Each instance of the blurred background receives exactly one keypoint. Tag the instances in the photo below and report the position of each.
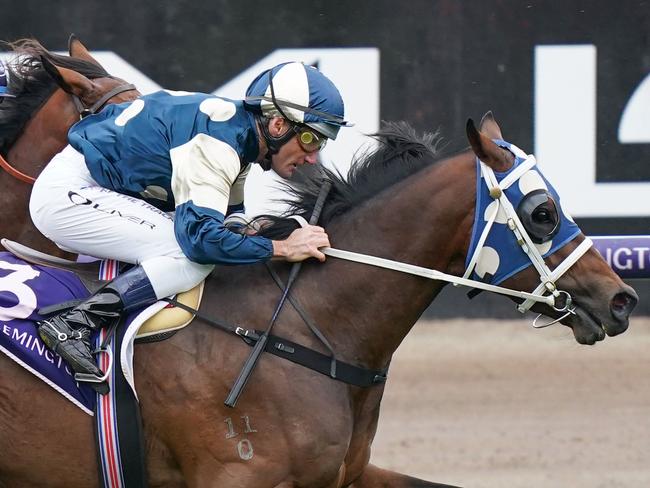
(569, 81)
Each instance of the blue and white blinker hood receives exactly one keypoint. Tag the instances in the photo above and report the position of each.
(500, 246)
(301, 94)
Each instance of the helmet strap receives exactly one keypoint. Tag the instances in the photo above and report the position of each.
(273, 144)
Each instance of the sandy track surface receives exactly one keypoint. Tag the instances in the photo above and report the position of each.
(490, 404)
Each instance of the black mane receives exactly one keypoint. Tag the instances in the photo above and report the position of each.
(401, 152)
(32, 86)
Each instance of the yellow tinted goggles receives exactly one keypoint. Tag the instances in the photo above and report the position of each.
(309, 140)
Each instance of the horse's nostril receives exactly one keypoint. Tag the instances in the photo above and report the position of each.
(623, 303)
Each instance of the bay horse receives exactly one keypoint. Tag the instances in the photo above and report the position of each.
(35, 122)
(294, 427)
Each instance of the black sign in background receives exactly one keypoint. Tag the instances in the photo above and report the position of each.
(441, 61)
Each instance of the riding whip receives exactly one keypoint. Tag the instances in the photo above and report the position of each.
(251, 361)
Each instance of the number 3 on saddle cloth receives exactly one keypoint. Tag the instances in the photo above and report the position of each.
(25, 289)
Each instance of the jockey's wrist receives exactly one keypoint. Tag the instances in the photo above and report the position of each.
(279, 249)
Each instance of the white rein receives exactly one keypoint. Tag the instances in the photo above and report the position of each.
(547, 277)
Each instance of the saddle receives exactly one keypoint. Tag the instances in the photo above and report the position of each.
(160, 326)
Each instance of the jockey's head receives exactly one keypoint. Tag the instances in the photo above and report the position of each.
(298, 110)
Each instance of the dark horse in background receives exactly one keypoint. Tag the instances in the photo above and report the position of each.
(296, 427)
(34, 124)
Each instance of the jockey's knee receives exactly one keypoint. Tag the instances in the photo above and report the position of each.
(171, 275)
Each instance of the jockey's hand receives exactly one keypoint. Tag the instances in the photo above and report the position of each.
(303, 243)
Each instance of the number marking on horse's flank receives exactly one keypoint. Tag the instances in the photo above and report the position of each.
(244, 446)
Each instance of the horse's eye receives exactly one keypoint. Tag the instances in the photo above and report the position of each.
(539, 215)
(542, 216)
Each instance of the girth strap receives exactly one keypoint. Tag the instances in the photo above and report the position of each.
(304, 356)
(322, 363)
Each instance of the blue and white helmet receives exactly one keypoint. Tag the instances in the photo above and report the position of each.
(301, 94)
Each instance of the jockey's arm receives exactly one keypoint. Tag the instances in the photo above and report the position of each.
(204, 175)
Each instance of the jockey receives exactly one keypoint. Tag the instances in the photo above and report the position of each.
(111, 191)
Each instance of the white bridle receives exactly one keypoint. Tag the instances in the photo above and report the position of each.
(547, 277)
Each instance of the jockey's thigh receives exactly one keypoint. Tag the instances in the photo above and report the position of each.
(69, 207)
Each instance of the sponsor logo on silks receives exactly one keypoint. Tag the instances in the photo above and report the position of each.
(80, 200)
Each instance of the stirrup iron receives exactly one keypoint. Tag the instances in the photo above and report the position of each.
(91, 378)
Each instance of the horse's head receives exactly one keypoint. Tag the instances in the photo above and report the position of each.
(524, 240)
(49, 92)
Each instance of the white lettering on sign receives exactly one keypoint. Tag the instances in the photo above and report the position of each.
(626, 258)
(635, 121)
(566, 129)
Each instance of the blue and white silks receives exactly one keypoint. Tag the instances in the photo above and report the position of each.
(182, 151)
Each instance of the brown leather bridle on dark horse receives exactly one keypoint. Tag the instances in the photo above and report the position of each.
(84, 111)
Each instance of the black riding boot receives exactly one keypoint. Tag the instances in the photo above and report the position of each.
(68, 334)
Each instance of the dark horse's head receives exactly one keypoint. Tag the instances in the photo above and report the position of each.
(35, 74)
(521, 238)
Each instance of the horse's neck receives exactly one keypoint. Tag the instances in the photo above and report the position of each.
(44, 135)
(41, 139)
(424, 220)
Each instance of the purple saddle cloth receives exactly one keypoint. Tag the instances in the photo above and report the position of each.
(24, 289)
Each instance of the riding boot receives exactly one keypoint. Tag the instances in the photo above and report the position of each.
(68, 334)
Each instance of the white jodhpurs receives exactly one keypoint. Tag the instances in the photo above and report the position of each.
(72, 210)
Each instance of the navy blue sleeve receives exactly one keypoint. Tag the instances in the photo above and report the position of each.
(204, 239)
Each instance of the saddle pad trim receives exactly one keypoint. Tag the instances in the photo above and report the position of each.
(126, 353)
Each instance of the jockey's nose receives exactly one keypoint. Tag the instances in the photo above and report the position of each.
(312, 157)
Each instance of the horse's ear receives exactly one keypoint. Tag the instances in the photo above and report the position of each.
(486, 150)
(489, 126)
(69, 80)
(77, 50)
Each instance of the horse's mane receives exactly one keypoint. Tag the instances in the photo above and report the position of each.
(401, 152)
(32, 86)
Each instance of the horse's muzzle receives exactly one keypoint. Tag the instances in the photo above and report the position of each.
(620, 306)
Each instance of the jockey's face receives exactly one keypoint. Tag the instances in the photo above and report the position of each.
(291, 154)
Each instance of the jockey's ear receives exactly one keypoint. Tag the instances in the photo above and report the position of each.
(278, 126)
(487, 151)
(77, 50)
(489, 126)
(69, 80)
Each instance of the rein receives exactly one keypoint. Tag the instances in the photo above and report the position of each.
(548, 278)
(15, 173)
(83, 112)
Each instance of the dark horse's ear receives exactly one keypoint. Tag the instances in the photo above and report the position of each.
(77, 50)
(487, 151)
(69, 80)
